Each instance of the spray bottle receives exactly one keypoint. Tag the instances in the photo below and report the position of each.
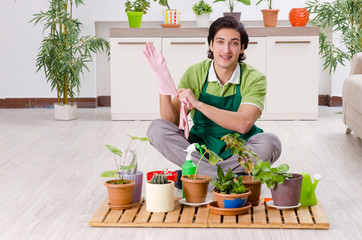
(188, 168)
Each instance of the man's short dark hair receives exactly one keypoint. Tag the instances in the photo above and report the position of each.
(230, 23)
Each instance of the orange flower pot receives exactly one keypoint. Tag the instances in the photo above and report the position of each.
(270, 17)
(298, 17)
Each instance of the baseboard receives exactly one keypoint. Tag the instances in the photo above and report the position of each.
(326, 100)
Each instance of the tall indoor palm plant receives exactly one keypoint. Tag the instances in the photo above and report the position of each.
(63, 53)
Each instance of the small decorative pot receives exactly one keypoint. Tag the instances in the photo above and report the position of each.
(171, 16)
(160, 197)
(203, 20)
(120, 195)
(137, 189)
(65, 112)
(254, 186)
(170, 176)
(288, 193)
(195, 190)
(298, 17)
(270, 17)
(231, 200)
(134, 19)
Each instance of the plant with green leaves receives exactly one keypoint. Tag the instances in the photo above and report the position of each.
(228, 183)
(201, 7)
(270, 176)
(159, 179)
(137, 6)
(232, 3)
(269, 2)
(63, 54)
(163, 3)
(343, 18)
(122, 154)
(237, 146)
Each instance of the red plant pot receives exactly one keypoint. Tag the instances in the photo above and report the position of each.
(172, 177)
(298, 17)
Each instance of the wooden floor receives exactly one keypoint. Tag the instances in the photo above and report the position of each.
(50, 184)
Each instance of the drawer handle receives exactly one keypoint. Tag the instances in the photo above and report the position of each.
(292, 42)
(253, 43)
(133, 43)
(187, 43)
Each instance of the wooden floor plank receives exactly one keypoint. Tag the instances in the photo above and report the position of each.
(304, 216)
(245, 219)
(214, 220)
(113, 216)
(187, 216)
(319, 216)
(100, 214)
(229, 221)
(142, 216)
(129, 215)
(290, 218)
(274, 217)
(202, 216)
(259, 214)
(172, 217)
(157, 218)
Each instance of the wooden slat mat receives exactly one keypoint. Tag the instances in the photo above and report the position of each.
(199, 217)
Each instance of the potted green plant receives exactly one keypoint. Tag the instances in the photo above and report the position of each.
(237, 146)
(160, 194)
(195, 186)
(231, 5)
(229, 190)
(270, 15)
(344, 18)
(171, 17)
(135, 11)
(202, 11)
(285, 187)
(63, 53)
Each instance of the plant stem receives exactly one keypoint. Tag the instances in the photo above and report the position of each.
(115, 161)
(71, 54)
(197, 167)
(125, 156)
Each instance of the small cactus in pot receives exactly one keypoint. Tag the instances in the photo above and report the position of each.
(159, 179)
(160, 194)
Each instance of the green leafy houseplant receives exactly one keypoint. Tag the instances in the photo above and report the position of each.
(137, 6)
(228, 183)
(163, 3)
(269, 2)
(201, 7)
(270, 176)
(232, 3)
(63, 54)
(123, 167)
(213, 157)
(344, 18)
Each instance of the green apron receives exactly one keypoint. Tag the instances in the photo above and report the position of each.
(205, 131)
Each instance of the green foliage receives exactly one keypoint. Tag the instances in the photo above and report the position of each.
(163, 3)
(228, 183)
(237, 146)
(269, 175)
(269, 2)
(201, 7)
(120, 154)
(63, 54)
(159, 179)
(232, 3)
(137, 6)
(342, 17)
(213, 157)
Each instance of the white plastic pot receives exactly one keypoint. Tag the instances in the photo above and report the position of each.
(203, 20)
(65, 112)
(160, 197)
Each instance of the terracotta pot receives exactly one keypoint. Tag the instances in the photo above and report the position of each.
(298, 17)
(236, 15)
(270, 17)
(231, 200)
(160, 197)
(137, 190)
(254, 186)
(195, 190)
(288, 193)
(120, 195)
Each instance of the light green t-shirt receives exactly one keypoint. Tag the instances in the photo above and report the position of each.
(252, 88)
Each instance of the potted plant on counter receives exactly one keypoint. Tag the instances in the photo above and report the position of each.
(63, 54)
(160, 194)
(237, 146)
(202, 11)
(171, 17)
(135, 11)
(270, 16)
(285, 187)
(195, 186)
(229, 190)
(231, 5)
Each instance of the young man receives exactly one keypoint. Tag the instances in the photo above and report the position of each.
(227, 96)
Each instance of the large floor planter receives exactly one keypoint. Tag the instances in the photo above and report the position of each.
(288, 193)
(65, 112)
(137, 189)
(270, 17)
(231, 200)
(195, 190)
(254, 186)
(120, 195)
(160, 197)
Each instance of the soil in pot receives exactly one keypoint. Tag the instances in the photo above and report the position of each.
(195, 190)
(288, 193)
(254, 186)
(231, 200)
(119, 195)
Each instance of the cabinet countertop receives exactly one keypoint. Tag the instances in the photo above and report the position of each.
(188, 29)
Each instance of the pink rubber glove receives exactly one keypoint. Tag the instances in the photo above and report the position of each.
(166, 86)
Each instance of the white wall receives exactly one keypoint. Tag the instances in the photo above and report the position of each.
(19, 41)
